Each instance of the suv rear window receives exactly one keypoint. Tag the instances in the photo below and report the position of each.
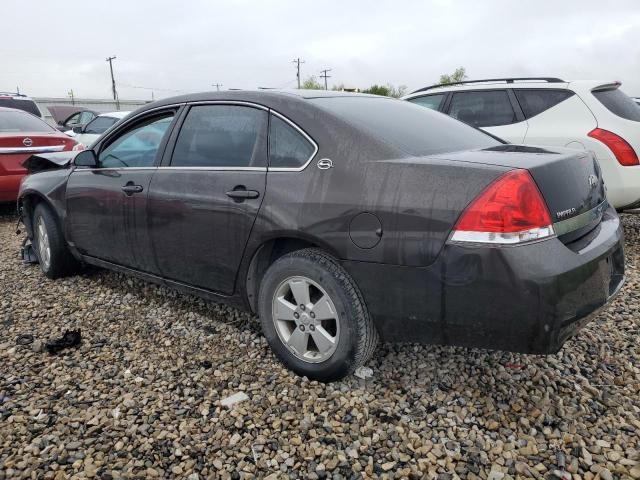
(618, 103)
(534, 102)
(410, 128)
(21, 104)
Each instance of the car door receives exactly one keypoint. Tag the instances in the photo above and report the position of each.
(492, 110)
(106, 206)
(204, 200)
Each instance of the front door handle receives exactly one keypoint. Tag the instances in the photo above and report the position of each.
(241, 193)
(129, 189)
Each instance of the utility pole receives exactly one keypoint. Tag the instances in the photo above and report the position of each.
(113, 82)
(217, 85)
(323, 74)
(297, 61)
(70, 94)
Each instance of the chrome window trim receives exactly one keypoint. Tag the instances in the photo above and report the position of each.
(45, 149)
(241, 103)
(305, 135)
(574, 223)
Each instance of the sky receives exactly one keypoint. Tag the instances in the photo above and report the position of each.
(164, 48)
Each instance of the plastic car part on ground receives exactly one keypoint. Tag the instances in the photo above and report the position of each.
(71, 338)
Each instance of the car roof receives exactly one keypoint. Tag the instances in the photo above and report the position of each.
(263, 96)
(582, 85)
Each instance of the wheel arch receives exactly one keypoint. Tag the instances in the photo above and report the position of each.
(27, 204)
(265, 254)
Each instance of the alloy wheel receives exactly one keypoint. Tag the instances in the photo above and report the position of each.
(44, 250)
(306, 319)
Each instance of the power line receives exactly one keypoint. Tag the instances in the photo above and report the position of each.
(297, 61)
(323, 74)
(217, 85)
(113, 81)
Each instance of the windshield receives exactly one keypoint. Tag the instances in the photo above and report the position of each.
(411, 128)
(100, 125)
(13, 121)
(618, 103)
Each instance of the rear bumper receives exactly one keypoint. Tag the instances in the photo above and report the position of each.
(9, 186)
(623, 185)
(528, 298)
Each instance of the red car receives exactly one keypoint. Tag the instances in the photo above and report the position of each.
(21, 135)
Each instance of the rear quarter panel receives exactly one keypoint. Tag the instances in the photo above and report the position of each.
(416, 201)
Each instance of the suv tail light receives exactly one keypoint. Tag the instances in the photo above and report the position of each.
(510, 210)
(624, 153)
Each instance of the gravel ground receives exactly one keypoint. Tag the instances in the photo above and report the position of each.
(141, 396)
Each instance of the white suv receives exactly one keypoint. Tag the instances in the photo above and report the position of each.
(590, 115)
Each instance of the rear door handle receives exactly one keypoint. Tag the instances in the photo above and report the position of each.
(129, 189)
(240, 194)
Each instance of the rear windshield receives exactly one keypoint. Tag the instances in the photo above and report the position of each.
(24, 105)
(12, 121)
(618, 103)
(411, 128)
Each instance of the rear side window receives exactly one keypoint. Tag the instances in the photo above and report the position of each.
(488, 108)
(409, 128)
(28, 106)
(534, 102)
(12, 121)
(221, 136)
(430, 101)
(618, 103)
(288, 148)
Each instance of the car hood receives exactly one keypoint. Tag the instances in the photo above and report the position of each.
(49, 161)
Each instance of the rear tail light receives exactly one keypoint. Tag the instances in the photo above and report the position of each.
(510, 210)
(78, 147)
(624, 153)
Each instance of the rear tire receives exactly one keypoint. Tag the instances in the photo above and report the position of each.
(51, 249)
(314, 317)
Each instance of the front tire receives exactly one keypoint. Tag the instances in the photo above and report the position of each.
(314, 317)
(51, 249)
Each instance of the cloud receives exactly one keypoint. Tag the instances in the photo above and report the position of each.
(168, 46)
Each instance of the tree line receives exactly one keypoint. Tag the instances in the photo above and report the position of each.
(386, 90)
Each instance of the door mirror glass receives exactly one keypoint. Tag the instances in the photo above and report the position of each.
(86, 158)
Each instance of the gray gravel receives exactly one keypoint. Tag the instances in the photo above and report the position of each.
(141, 396)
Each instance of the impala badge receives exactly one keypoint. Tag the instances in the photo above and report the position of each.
(565, 213)
(325, 164)
(593, 181)
(27, 142)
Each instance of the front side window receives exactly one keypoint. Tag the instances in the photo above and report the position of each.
(288, 148)
(138, 146)
(221, 136)
(72, 120)
(618, 103)
(85, 117)
(489, 108)
(534, 102)
(430, 101)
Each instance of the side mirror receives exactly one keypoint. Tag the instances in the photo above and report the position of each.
(77, 129)
(86, 158)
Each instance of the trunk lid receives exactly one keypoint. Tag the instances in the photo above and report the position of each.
(570, 181)
(15, 148)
